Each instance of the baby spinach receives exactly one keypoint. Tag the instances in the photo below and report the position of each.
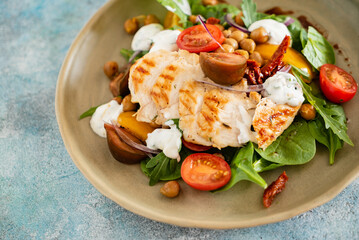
(295, 146)
(325, 137)
(332, 114)
(303, 37)
(262, 165)
(249, 9)
(318, 50)
(89, 112)
(242, 168)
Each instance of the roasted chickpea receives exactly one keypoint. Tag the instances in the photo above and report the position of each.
(150, 18)
(170, 189)
(242, 52)
(233, 29)
(110, 69)
(238, 35)
(238, 19)
(226, 48)
(227, 33)
(232, 42)
(193, 19)
(257, 57)
(219, 26)
(248, 44)
(307, 111)
(209, 2)
(118, 99)
(259, 35)
(131, 25)
(127, 104)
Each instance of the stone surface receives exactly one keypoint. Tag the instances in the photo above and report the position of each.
(42, 193)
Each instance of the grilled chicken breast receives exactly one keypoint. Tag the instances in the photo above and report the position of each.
(169, 85)
(270, 120)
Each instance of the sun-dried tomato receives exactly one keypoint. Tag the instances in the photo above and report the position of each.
(272, 190)
(213, 20)
(275, 63)
(253, 72)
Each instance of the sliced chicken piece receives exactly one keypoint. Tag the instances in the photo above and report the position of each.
(270, 120)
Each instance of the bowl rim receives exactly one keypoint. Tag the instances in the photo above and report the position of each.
(148, 213)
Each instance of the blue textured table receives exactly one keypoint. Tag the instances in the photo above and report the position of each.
(42, 193)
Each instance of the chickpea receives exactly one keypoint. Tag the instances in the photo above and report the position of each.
(307, 111)
(193, 19)
(242, 52)
(233, 29)
(209, 2)
(257, 57)
(259, 35)
(150, 18)
(118, 99)
(226, 49)
(248, 44)
(239, 35)
(219, 26)
(170, 189)
(131, 26)
(219, 155)
(227, 33)
(238, 19)
(232, 42)
(110, 69)
(127, 104)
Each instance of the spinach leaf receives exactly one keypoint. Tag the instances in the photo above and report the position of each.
(161, 167)
(333, 115)
(88, 113)
(295, 146)
(249, 9)
(127, 54)
(179, 7)
(318, 50)
(242, 168)
(262, 165)
(325, 137)
(216, 11)
(303, 37)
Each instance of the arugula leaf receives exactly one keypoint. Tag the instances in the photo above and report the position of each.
(295, 146)
(249, 9)
(179, 7)
(127, 54)
(88, 113)
(216, 11)
(318, 50)
(332, 114)
(325, 137)
(242, 168)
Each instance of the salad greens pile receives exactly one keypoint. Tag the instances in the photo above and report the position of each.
(297, 144)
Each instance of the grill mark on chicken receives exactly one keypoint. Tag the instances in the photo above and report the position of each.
(142, 70)
(149, 62)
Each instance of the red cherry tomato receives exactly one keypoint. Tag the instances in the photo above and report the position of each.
(196, 39)
(204, 171)
(195, 147)
(337, 85)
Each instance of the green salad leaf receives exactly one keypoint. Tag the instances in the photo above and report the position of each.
(332, 114)
(249, 9)
(242, 168)
(127, 54)
(303, 37)
(216, 11)
(325, 137)
(176, 6)
(318, 50)
(295, 146)
(262, 165)
(88, 113)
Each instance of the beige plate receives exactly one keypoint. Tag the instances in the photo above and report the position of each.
(82, 84)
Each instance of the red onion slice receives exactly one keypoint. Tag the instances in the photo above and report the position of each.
(230, 21)
(201, 20)
(286, 68)
(250, 88)
(131, 143)
(288, 21)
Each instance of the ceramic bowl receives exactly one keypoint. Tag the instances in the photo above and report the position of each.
(82, 84)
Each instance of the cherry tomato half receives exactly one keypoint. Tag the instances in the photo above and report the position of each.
(196, 39)
(195, 147)
(204, 171)
(337, 85)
